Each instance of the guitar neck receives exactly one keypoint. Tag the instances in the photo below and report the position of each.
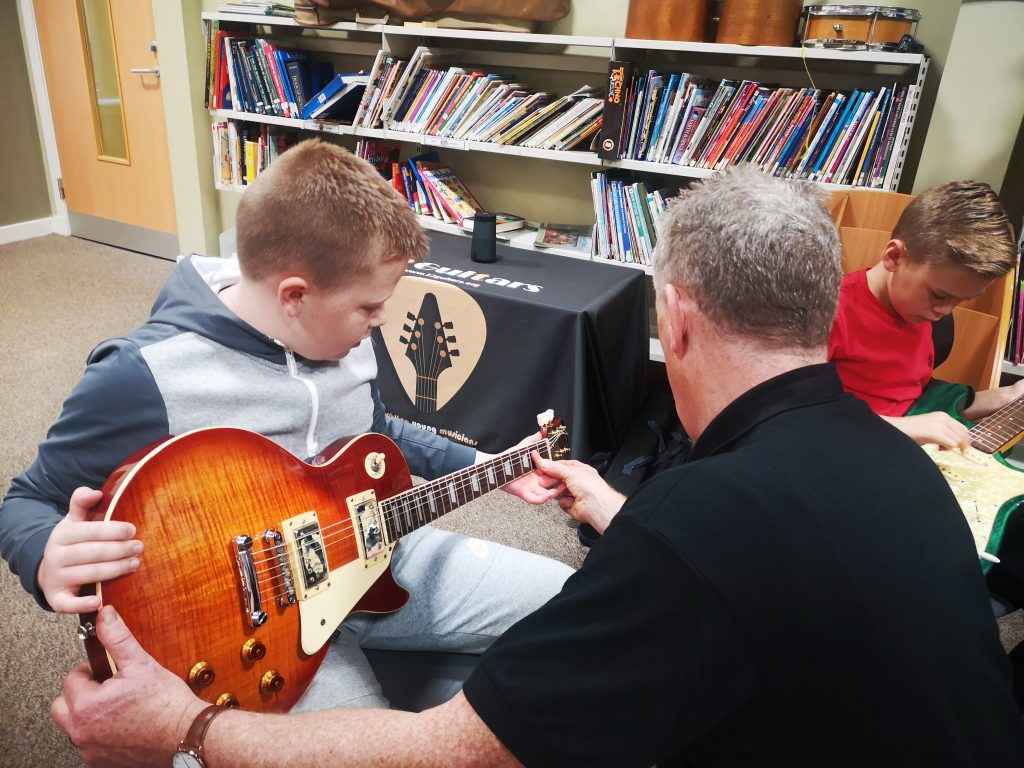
(422, 504)
(996, 430)
(426, 394)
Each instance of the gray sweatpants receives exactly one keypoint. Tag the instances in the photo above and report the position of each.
(464, 593)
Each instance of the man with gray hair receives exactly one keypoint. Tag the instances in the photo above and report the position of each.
(803, 591)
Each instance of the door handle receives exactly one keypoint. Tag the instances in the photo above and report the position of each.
(145, 71)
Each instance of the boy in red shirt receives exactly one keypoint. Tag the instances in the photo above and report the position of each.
(950, 243)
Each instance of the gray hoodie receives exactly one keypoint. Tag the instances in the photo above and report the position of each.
(194, 364)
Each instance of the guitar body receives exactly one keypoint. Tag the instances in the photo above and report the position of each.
(981, 484)
(191, 602)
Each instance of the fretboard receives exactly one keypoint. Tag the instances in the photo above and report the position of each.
(422, 504)
(994, 431)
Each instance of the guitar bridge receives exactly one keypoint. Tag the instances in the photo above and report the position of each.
(275, 542)
(252, 603)
(307, 554)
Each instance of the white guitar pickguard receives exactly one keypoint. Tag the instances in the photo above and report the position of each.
(981, 485)
(323, 613)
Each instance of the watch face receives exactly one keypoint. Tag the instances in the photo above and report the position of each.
(186, 760)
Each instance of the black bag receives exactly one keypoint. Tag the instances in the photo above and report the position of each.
(656, 441)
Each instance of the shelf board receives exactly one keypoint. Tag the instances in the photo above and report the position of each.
(414, 30)
(1014, 370)
(461, 145)
(771, 51)
(522, 240)
(774, 51)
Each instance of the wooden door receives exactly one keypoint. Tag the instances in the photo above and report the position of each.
(109, 121)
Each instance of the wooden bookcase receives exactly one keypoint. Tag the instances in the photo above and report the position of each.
(561, 63)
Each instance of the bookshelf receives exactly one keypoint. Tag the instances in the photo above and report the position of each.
(554, 56)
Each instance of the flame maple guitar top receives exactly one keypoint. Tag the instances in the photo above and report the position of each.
(189, 498)
(981, 485)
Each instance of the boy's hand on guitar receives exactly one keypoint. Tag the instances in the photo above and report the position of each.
(938, 428)
(533, 488)
(137, 717)
(80, 551)
(587, 498)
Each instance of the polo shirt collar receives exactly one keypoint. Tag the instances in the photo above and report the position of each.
(799, 388)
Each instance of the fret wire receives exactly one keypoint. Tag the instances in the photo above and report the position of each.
(459, 480)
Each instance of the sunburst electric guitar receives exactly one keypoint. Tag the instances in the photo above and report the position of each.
(980, 482)
(254, 557)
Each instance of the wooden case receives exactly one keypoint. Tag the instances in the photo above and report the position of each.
(759, 22)
(685, 20)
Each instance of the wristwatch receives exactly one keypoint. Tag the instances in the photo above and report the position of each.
(190, 749)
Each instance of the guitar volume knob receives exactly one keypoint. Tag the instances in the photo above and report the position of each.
(201, 675)
(271, 682)
(253, 650)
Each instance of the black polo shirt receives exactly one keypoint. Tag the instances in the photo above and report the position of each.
(804, 590)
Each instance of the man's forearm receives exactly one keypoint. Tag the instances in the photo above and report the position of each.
(449, 735)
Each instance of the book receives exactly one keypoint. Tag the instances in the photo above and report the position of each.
(258, 8)
(503, 222)
(339, 99)
(382, 155)
(568, 236)
(619, 76)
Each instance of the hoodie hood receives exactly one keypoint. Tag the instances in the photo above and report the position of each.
(189, 303)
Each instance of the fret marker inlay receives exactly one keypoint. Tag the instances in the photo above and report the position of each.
(451, 493)
(507, 466)
(491, 477)
(475, 482)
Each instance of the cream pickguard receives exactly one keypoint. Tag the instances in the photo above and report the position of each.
(980, 483)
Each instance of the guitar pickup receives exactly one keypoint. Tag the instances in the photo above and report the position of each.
(368, 526)
(307, 554)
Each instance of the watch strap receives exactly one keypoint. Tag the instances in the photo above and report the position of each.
(193, 741)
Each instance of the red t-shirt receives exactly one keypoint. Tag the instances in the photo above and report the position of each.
(881, 358)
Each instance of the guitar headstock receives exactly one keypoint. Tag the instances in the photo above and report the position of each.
(428, 339)
(555, 433)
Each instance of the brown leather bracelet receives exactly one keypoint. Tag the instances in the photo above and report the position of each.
(193, 741)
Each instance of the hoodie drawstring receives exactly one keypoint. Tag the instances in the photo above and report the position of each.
(314, 396)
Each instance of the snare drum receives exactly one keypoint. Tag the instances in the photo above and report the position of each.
(857, 26)
(890, 24)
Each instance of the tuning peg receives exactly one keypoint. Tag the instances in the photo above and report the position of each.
(407, 328)
(453, 352)
(448, 325)
(410, 316)
(450, 339)
(403, 339)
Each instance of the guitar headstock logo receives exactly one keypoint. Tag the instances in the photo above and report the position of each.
(434, 334)
(429, 345)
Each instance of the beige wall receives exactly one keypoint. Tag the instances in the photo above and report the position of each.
(981, 98)
(23, 193)
(559, 192)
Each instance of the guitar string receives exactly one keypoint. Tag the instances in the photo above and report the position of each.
(273, 581)
(348, 532)
(983, 429)
(458, 481)
(461, 479)
(1007, 416)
